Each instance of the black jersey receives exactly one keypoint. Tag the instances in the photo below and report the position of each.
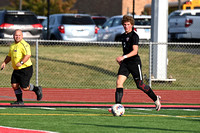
(128, 40)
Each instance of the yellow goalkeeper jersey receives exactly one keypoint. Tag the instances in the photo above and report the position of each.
(17, 53)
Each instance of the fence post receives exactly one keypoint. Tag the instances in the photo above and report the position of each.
(36, 63)
(150, 61)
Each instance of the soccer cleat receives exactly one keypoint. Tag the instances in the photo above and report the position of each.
(38, 92)
(157, 103)
(110, 110)
(17, 103)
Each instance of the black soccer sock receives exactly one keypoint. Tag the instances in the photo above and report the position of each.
(35, 88)
(19, 97)
(146, 89)
(118, 95)
(152, 95)
(18, 94)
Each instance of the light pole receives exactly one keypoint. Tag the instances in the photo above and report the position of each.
(20, 5)
(179, 4)
(133, 8)
(48, 12)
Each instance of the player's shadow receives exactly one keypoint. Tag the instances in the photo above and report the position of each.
(135, 127)
(95, 68)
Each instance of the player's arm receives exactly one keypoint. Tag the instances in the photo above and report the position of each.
(25, 59)
(132, 53)
(6, 61)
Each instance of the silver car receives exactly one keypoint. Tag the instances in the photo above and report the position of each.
(71, 27)
(112, 28)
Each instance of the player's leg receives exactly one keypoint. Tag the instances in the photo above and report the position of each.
(15, 85)
(123, 73)
(25, 83)
(37, 90)
(137, 75)
(119, 88)
(146, 89)
(18, 94)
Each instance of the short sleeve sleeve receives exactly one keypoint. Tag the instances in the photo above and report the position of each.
(135, 39)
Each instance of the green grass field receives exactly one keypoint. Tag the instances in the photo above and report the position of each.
(77, 120)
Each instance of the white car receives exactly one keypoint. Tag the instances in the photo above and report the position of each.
(70, 27)
(194, 12)
(184, 24)
(112, 28)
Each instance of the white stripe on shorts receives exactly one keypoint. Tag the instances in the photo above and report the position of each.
(140, 71)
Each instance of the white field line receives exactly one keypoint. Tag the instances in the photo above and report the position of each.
(163, 115)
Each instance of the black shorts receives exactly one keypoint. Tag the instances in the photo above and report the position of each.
(22, 76)
(135, 68)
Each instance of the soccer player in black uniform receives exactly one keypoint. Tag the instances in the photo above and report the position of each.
(130, 63)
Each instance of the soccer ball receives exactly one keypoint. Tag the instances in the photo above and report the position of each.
(118, 110)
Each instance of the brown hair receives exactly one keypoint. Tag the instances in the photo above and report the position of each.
(128, 18)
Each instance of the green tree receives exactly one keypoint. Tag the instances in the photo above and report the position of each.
(39, 7)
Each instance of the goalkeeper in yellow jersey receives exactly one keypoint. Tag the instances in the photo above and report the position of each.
(19, 54)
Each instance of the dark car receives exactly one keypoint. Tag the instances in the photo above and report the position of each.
(99, 20)
(10, 20)
(41, 18)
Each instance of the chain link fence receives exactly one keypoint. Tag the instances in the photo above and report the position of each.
(63, 64)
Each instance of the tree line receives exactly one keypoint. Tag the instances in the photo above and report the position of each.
(40, 7)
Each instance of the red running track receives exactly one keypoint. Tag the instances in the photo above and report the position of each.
(19, 130)
(105, 95)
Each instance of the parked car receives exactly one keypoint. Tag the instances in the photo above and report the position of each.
(112, 28)
(71, 27)
(99, 20)
(10, 20)
(143, 26)
(184, 24)
(44, 31)
(41, 18)
(184, 12)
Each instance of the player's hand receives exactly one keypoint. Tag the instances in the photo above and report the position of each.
(119, 59)
(18, 64)
(3, 65)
